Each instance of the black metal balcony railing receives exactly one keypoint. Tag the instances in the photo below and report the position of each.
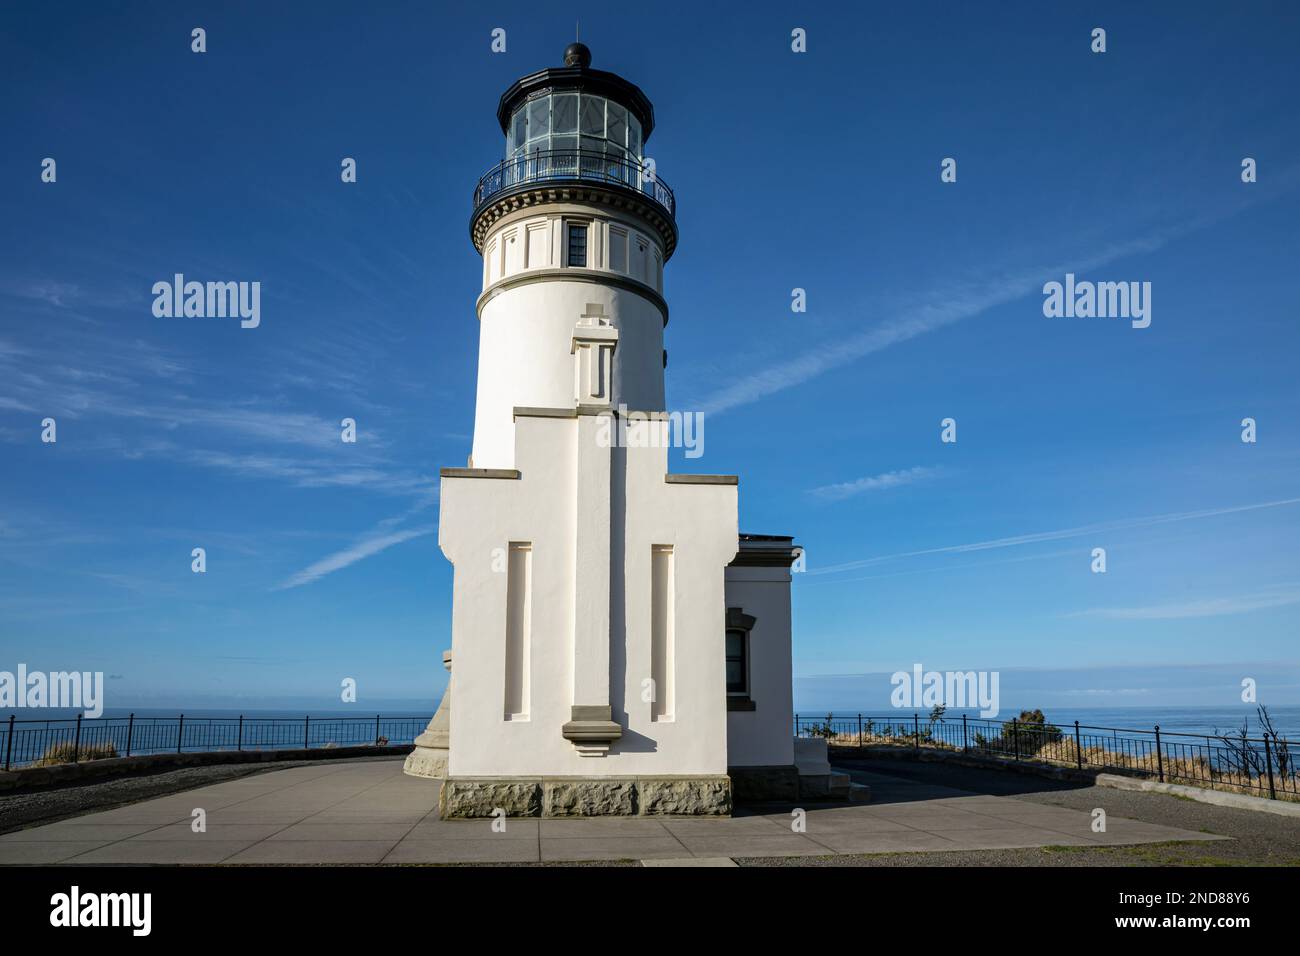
(573, 165)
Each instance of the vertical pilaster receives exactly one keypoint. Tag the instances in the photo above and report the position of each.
(591, 727)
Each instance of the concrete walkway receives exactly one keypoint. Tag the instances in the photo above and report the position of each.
(369, 812)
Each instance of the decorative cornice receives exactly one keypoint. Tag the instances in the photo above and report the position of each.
(702, 479)
(526, 195)
(479, 473)
(522, 411)
(765, 554)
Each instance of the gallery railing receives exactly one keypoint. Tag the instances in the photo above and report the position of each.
(574, 165)
(1262, 765)
(44, 742)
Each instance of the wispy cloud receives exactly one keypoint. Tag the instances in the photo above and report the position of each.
(100, 378)
(952, 568)
(957, 302)
(890, 479)
(57, 294)
(359, 550)
(380, 538)
(952, 305)
(1058, 535)
(1205, 607)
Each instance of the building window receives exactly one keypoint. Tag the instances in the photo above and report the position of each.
(739, 627)
(577, 244)
(737, 662)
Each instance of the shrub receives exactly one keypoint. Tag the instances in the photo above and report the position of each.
(822, 730)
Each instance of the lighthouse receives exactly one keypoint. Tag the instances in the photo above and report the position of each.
(618, 647)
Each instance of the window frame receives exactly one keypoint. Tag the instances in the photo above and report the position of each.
(743, 660)
(570, 226)
(738, 622)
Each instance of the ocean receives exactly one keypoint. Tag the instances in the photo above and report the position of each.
(1202, 721)
(1183, 720)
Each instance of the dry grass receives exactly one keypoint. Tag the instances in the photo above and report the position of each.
(63, 752)
(1191, 772)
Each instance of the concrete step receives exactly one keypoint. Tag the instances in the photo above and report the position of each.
(859, 793)
(839, 785)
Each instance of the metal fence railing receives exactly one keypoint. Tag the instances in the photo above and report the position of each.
(1262, 765)
(28, 742)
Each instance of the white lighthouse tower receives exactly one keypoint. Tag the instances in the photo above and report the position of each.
(611, 630)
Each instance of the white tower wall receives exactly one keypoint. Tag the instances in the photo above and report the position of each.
(530, 301)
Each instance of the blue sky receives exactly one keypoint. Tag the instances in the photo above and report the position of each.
(816, 170)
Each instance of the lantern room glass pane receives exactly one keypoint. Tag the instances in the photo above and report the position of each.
(593, 116)
(564, 113)
(520, 127)
(634, 136)
(616, 124)
(539, 117)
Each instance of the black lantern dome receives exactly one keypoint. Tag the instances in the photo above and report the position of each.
(575, 77)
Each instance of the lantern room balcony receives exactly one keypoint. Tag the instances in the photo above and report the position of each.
(558, 168)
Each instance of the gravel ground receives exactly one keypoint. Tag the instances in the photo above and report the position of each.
(1258, 839)
(21, 810)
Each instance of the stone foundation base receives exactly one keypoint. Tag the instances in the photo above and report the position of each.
(426, 762)
(585, 796)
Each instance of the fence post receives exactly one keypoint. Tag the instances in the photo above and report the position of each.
(859, 731)
(1078, 750)
(1015, 737)
(130, 731)
(965, 746)
(9, 742)
(239, 744)
(180, 732)
(377, 730)
(76, 747)
(916, 729)
(1268, 756)
(1160, 758)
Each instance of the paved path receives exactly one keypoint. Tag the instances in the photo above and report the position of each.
(369, 812)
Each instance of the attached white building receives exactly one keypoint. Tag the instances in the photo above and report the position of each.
(617, 646)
